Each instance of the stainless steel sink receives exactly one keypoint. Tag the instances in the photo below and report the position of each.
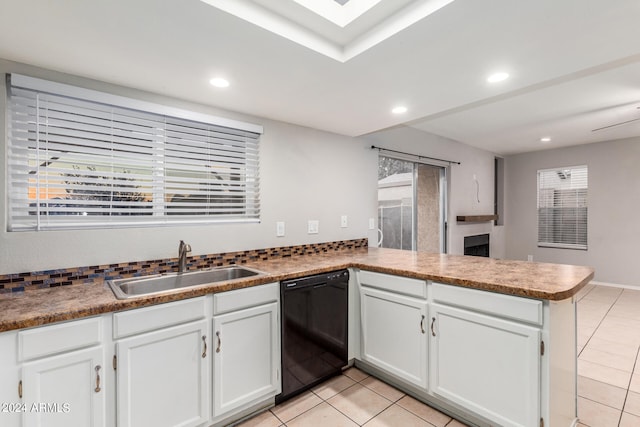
(160, 283)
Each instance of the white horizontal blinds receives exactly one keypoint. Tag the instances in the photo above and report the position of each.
(210, 170)
(562, 207)
(75, 163)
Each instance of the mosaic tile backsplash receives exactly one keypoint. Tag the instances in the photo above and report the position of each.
(99, 273)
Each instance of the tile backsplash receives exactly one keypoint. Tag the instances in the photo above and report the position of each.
(98, 273)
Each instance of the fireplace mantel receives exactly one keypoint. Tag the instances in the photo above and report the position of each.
(476, 218)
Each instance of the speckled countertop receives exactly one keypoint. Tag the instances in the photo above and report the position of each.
(520, 278)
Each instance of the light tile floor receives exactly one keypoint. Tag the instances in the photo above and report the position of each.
(352, 399)
(608, 379)
(608, 368)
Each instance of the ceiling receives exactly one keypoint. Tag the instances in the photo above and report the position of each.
(574, 65)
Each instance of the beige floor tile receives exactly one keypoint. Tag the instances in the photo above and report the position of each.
(632, 404)
(606, 294)
(612, 360)
(323, 415)
(629, 420)
(583, 337)
(609, 346)
(395, 416)
(355, 374)
(584, 291)
(290, 409)
(625, 311)
(635, 382)
(595, 414)
(602, 393)
(359, 403)
(625, 335)
(333, 386)
(425, 412)
(382, 388)
(265, 419)
(604, 374)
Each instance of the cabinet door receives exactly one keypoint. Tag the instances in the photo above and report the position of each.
(246, 357)
(65, 390)
(488, 365)
(163, 377)
(394, 334)
(10, 415)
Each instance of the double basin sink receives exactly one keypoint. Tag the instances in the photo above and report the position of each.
(161, 283)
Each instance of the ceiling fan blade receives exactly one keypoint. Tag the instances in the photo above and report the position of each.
(616, 124)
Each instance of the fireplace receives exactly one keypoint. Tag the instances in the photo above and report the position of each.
(477, 245)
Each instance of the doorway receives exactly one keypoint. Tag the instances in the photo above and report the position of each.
(411, 205)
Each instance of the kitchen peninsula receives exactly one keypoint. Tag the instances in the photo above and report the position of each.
(482, 311)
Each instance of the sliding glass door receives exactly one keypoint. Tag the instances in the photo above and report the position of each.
(411, 205)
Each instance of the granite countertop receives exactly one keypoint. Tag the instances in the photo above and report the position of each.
(526, 279)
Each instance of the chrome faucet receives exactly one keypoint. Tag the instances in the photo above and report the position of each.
(183, 249)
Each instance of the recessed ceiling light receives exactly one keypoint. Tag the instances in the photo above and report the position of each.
(545, 139)
(219, 82)
(399, 110)
(497, 77)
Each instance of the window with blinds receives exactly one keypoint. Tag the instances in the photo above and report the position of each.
(84, 159)
(562, 207)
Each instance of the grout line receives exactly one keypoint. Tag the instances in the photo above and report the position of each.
(626, 396)
(599, 323)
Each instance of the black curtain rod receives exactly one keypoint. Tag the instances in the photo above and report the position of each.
(373, 147)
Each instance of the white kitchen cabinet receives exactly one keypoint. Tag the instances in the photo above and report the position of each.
(62, 374)
(394, 338)
(482, 359)
(10, 402)
(65, 390)
(487, 365)
(162, 365)
(246, 349)
(163, 377)
(246, 357)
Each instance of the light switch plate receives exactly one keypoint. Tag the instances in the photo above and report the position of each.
(313, 226)
(280, 229)
(372, 223)
(344, 221)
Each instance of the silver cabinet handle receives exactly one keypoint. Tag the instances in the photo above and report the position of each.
(97, 389)
(433, 321)
(204, 341)
(422, 324)
(219, 342)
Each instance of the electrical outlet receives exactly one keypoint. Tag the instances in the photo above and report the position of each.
(280, 229)
(312, 226)
(344, 221)
(372, 223)
(529, 257)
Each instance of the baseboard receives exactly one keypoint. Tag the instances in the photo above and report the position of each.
(615, 285)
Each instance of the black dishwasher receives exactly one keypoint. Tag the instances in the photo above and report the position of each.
(314, 330)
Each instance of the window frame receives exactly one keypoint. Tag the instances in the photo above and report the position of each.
(581, 234)
(226, 146)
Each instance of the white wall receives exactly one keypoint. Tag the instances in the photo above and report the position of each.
(305, 174)
(463, 198)
(613, 202)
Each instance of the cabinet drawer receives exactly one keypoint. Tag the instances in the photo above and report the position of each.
(244, 298)
(506, 306)
(159, 316)
(59, 338)
(396, 284)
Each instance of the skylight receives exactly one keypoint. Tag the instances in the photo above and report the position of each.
(339, 29)
(341, 13)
